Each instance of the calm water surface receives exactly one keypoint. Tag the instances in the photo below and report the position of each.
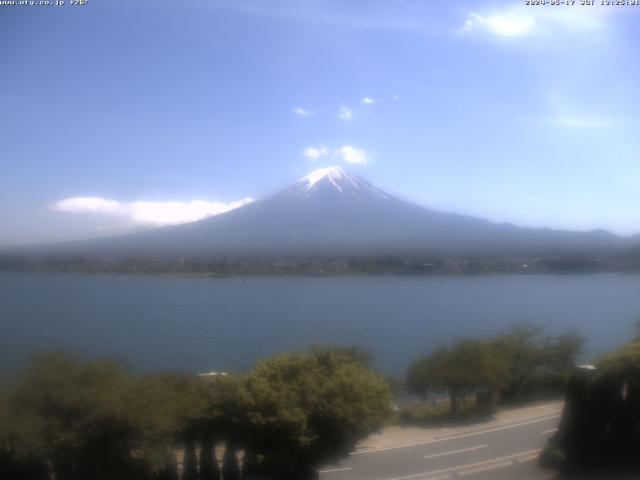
(203, 324)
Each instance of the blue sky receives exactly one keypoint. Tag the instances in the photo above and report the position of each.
(127, 114)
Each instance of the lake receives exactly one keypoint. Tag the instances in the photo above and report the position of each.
(205, 324)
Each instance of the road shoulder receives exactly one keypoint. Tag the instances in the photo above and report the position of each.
(396, 436)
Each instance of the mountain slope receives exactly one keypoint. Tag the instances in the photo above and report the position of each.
(331, 211)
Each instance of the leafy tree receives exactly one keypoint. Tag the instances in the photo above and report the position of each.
(169, 412)
(357, 354)
(560, 353)
(533, 362)
(515, 362)
(223, 419)
(15, 465)
(622, 363)
(418, 377)
(464, 367)
(520, 350)
(73, 416)
(303, 409)
(91, 419)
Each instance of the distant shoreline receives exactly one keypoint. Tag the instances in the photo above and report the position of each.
(249, 277)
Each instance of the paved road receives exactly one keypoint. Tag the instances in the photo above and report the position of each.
(497, 453)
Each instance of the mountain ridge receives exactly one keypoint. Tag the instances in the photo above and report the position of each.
(334, 212)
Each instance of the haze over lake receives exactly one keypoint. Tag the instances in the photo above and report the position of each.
(204, 324)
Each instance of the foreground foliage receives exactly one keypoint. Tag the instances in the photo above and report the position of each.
(80, 419)
(599, 432)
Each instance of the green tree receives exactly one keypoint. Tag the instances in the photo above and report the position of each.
(357, 354)
(304, 409)
(14, 464)
(621, 363)
(91, 419)
(514, 363)
(466, 366)
(521, 353)
(560, 353)
(418, 378)
(171, 412)
(72, 415)
(223, 419)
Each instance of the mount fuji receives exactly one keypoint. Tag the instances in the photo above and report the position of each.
(334, 212)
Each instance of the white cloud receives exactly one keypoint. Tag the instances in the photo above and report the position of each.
(352, 155)
(582, 121)
(302, 112)
(147, 212)
(87, 205)
(507, 25)
(315, 153)
(345, 113)
(522, 21)
(367, 101)
(395, 97)
(345, 153)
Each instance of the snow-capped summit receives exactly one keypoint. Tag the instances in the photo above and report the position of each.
(333, 174)
(334, 180)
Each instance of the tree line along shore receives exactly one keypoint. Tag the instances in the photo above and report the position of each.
(320, 265)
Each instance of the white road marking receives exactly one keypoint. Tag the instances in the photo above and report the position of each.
(452, 452)
(550, 431)
(455, 437)
(500, 461)
(527, 459)
(499, 465)
(486, 468)
(332, 470)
